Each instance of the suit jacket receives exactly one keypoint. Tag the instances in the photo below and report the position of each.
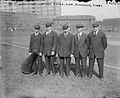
(49, 42)
(80, 45)
(65, 45)
(97, 44)
(36, 43)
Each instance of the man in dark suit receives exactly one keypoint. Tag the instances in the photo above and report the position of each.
(36, 45)
(49, 47)
(65, 49)
(97, 45)
(80, 51)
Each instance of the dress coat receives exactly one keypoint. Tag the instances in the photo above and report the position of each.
(49, 42)
(80, 46)
(97, 44)
(36, 43)
(65, 45)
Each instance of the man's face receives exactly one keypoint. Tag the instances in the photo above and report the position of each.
(36, 30)
(49, 28)
(96, 28)
(67, 30)
(80, 29)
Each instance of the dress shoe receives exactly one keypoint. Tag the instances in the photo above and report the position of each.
(67, 75)
(35, 73)
(47, 74)
(84, 75)
(101, 77)
(40, 74)
(90, 76)
(61, 75)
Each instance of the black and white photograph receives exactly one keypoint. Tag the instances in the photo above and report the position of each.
(59, 49)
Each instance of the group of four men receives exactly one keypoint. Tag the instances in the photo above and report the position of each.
(66, 45)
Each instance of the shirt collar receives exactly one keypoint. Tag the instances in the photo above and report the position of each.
(49, 31)
(36, 33)
(80, 33)
(96, 32)
(65, 33)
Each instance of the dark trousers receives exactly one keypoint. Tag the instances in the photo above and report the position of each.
(100, 62)
(81, 67)
(50, 64)
(66, 66)
(38, 65)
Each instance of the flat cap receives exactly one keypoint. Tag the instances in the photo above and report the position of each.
(79, 26)
(37, 27)
(48, 24)
(65, 26)
(95, 25)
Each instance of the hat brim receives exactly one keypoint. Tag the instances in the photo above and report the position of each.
(79, 27)
(95, 26)
(37, 28)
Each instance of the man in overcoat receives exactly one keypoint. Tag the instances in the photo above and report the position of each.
(97, 45)
(65, 49)
(49, 47)
(80, 51)
(36, 46)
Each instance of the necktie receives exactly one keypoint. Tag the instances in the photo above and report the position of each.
(79, 36)
(94, 33)
(65, 34)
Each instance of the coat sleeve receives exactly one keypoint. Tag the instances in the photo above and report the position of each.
(104, 41)
(30, 45)
(72, 50)
(55, 42)
(58, 44)
(41, 42)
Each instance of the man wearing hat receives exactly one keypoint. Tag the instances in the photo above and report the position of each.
(97, 45)
(36, 45)
(80, 51)
(49, 47)
(65, 49)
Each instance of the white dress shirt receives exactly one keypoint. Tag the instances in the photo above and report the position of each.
(48, 32)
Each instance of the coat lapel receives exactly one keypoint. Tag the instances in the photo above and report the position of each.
(76, 38)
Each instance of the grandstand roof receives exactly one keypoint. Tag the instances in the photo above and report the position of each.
(77, 17)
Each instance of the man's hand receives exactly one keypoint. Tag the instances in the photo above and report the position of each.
(52, 53)
(30, 53)
(71, 55)
(40, 54)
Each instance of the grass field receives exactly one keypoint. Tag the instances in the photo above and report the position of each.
(14, 50)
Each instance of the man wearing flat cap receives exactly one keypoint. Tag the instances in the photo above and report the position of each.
(36, 45)
(49, 47)
(97, 45)
(65, 49)
(80, 51)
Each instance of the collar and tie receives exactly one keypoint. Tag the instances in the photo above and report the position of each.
(79, 35)
(65, 34)
(48, 32)
(36, 33)
(95, 32)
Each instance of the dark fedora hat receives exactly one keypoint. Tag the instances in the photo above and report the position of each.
(79, 26)
(48, 24)
(95, 25)
(65, 26)
(37, 27)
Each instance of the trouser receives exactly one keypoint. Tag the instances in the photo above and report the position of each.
(67, 65)
(100, 62)
(50, 64)
(38, 67)
(81, 67)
